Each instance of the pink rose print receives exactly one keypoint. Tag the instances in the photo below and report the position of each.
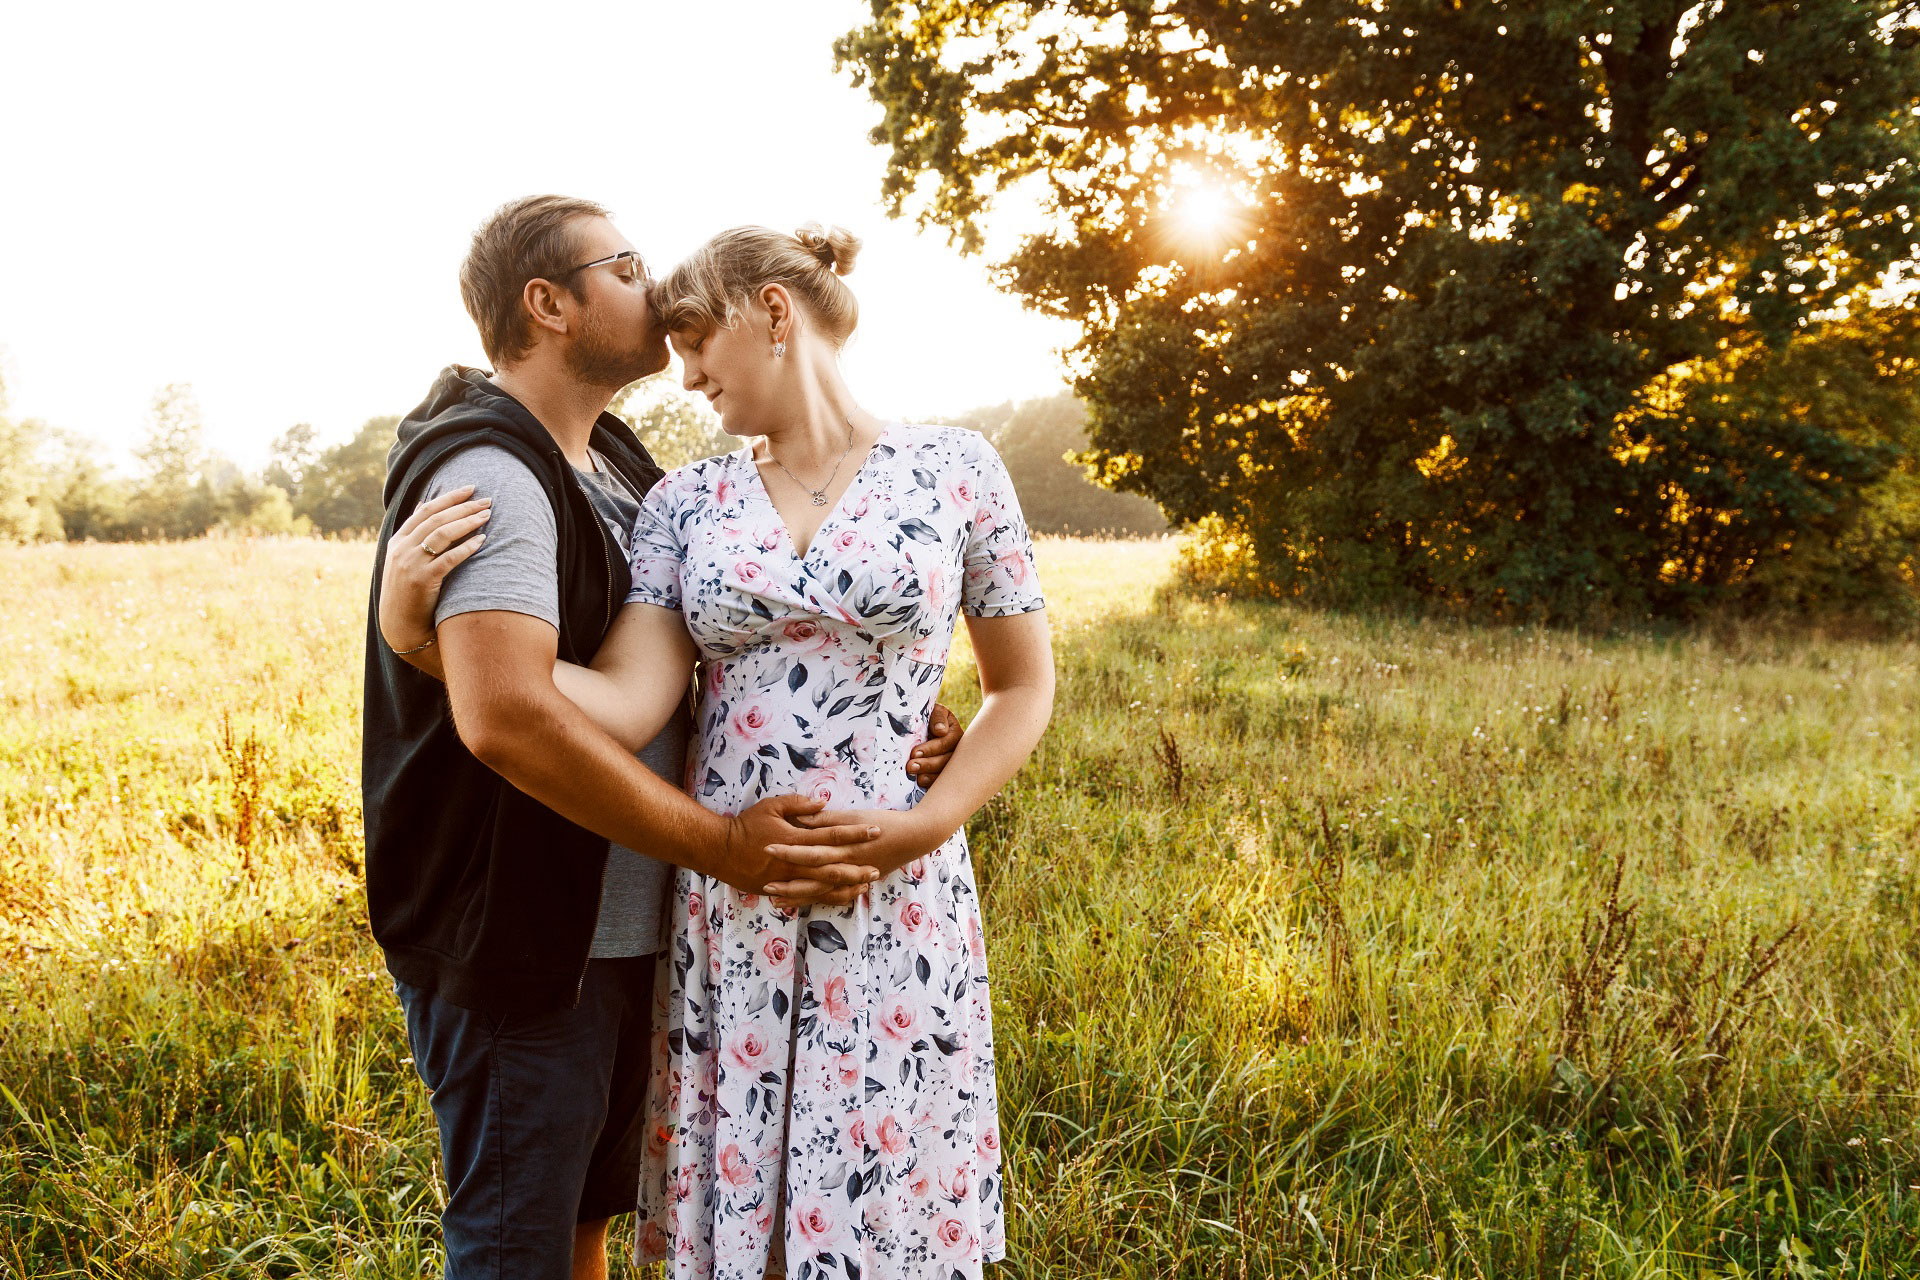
(753, 723)
(957, 1183)
(826, 781)
(735, 1169)
(952, 1238)
(872, 623)
(898, 1020)
(748, 1050)
(803, 637)
(839, 1008)
(879, 1214)
(915, 920)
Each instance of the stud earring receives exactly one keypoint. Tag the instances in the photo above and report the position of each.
(779, 350)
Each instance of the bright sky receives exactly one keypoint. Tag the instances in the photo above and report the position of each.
(271, 201)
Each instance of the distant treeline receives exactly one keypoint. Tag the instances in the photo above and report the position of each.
(56, 485)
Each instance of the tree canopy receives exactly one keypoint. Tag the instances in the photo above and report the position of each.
(1533, 308)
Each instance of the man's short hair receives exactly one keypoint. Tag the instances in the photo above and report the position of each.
(527, 239)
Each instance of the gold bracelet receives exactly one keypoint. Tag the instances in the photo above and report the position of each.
(401, 653)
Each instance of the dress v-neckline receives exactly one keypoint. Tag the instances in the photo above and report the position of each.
(833, 512)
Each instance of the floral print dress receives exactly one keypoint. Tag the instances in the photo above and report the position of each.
(828, 1076)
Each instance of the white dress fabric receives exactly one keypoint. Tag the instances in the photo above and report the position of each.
(848, 1050)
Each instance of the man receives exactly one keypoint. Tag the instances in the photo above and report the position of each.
(520, 939)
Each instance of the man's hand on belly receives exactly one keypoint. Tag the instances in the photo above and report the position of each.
(774, 843)
(905, 834)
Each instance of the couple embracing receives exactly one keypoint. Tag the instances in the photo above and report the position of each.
(663, 849)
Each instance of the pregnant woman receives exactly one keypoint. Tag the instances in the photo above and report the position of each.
(823, 1093)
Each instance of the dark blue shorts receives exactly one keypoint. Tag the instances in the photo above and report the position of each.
(542, 1118)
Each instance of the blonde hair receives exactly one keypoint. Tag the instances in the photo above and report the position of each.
(718, 282)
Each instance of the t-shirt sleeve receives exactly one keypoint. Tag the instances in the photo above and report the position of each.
(1000, 577)
(518, 569)
(657, 548)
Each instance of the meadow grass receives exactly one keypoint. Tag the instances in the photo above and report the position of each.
(1322, 945)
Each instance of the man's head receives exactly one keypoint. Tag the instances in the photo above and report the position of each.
(550, 278)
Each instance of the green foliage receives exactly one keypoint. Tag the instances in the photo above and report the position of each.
(1035, 438)
(342, 491)
(27, 513)
(176, 496)
(1516, 308)
(1301, 930)
(291, 457)
(90, 503)
(675, 426)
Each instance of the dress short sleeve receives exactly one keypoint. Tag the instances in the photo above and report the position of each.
(1000, 576)
(657, 551)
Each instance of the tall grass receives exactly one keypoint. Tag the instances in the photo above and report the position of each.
(1322, 946)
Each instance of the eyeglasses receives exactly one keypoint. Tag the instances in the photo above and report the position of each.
(640, 272)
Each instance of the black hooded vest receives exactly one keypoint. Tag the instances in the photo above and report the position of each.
(475, 890)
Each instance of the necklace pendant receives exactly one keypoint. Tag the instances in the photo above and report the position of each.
(819, 499)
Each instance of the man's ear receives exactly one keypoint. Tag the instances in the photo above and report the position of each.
(541, 298)
(779, 305)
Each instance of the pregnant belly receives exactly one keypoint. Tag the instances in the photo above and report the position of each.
(755, 744)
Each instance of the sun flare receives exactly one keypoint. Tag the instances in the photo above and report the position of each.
(1202, 210)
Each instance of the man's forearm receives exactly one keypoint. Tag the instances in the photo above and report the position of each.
(551, 750)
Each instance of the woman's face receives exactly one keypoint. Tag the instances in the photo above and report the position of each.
(736, 371)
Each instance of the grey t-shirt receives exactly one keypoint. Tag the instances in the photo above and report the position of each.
(516, 571)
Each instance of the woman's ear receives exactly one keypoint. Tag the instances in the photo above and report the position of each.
(779, 305)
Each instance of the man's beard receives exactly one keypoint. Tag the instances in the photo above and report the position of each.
(599, 360)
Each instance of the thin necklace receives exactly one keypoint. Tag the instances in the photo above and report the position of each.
(819, 496)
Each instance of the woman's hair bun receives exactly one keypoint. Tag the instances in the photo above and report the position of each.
(835, 247)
